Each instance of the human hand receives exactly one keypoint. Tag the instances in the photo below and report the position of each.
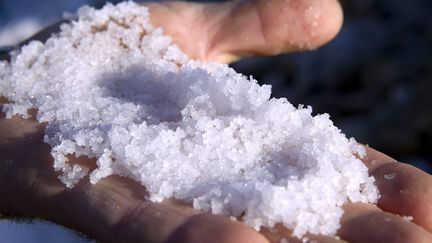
(113, 210)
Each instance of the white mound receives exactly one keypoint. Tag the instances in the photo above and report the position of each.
(112, 87)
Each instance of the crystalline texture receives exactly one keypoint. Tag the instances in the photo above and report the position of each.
(112, 87)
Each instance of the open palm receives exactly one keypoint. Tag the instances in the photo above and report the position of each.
(113, 210)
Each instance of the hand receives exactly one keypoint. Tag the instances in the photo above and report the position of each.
(113, 210)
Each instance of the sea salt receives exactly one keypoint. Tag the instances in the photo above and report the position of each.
(110, 86)
(408, 218)
(390, 176)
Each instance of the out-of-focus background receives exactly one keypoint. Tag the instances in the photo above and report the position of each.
(374, 79)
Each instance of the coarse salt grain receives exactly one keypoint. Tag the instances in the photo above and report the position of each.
(408, 218)
(112, 87)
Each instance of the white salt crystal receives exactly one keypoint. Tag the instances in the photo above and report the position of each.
(390, 176)
(408, 218)
(112, 87)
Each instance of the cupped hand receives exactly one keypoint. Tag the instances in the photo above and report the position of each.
(114, 209)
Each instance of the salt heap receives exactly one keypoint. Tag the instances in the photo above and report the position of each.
(112, 87)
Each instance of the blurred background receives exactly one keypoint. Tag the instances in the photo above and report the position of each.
(374, 79)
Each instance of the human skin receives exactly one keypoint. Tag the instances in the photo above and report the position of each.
(114, 209)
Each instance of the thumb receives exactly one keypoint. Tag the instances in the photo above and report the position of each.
(228, 31)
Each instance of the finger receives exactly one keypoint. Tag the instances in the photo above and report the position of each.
(228, 31)
(404, 189)
(367, 223)
(210, 228)
(375, 159)
(269, 27)
(279, 233)
(168, 221)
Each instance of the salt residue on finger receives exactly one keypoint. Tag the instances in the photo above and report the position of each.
(112, 87)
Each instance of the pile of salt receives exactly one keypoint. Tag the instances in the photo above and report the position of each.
(111, 87)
